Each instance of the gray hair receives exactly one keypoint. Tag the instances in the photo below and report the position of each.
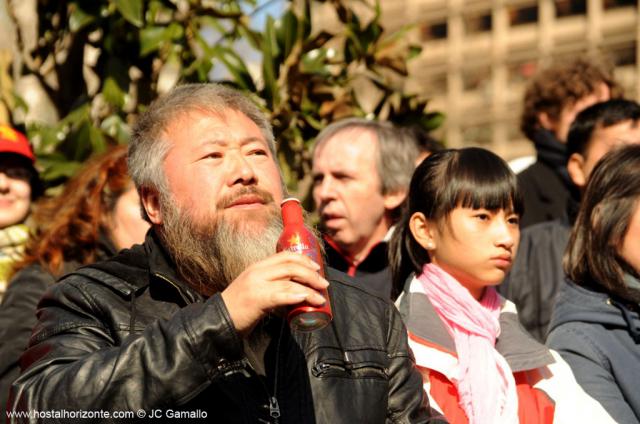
(149, 146)
(397, 150)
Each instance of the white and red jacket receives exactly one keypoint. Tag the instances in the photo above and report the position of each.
(547, 390)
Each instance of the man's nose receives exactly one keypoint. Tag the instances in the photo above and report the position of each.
(241, 171)
(326, 189)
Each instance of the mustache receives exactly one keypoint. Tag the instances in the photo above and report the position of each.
(264, 196)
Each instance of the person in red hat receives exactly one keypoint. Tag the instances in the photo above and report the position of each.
(19, 186)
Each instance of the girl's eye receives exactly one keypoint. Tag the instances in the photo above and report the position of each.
(483, 216)
(515, 220)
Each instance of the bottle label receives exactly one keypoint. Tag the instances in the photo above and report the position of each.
(296, 244)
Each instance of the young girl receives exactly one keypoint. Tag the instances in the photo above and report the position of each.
(596, 323)
(457, 239)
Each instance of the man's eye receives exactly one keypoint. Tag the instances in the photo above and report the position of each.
(259, 152)
(214, 155)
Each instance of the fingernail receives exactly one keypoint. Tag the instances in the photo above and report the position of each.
(325, 282)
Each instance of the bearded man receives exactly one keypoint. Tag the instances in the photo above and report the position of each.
(189, 324)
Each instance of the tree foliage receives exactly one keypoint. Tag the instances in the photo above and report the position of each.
(100, 62)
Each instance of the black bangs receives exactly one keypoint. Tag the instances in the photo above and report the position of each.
(480, 179)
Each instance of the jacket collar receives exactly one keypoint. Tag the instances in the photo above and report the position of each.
(552, 153)
(521, 351)
(374, 261)
(163, 270)
(146, 265)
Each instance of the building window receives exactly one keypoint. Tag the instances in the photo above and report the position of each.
(570, 7)
(476, 23)
(612, 4)
(433, 31)
(523, 15)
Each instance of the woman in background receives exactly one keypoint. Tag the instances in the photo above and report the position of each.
(19, 186)
(596, 326)
(97, 214)
(456, 241)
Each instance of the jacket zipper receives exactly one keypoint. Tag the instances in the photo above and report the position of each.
(274, 406)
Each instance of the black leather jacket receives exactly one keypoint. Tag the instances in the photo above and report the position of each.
(127, 335)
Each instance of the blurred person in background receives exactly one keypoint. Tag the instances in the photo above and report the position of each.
(97, 214)
(19, 187)
(361, 171)
(537, 272)
(596, 324)
(551, 102)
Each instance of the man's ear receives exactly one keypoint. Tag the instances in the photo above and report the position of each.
(423, 231)
(393, 200)
(546, 122)
(151, 203)
(575, 166)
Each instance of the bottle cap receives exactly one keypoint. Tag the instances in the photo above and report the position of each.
(291, 211)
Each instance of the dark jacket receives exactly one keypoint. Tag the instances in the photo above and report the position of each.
(545, 185)
(127, 335)
(18, 315)
(600, 339)
(373, 272)
(537, 274)
(17, 318)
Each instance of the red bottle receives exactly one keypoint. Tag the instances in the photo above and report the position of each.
(297, 238)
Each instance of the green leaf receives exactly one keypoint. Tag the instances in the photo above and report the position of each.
(131, 10)
(116, 82)
(306, 20)
(57, 167)
(269, 51)
(116, 128)
(314, 62)
(151, 39)
(97, 139)
(78, 19)
(414, 51)
(112, 92)
(175, 31)
(432, 120)
(236, 66)
(397, 35)
(287, 33)
(77, 115)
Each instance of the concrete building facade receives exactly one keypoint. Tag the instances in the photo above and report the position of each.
(478, 55)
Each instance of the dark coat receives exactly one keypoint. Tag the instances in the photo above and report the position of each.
(600, 339)
(545, 185)
(128, 335)
(17, 318)
(18, 315)
(373, 272)
(537, 274)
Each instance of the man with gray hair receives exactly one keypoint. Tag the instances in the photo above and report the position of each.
(191, 324)
(361, 172)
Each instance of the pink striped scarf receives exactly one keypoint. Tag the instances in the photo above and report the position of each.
(485, 383)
